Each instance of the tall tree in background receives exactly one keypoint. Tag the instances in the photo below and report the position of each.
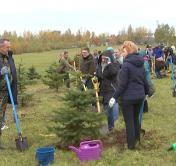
(164, 34)
(140, 35)
(122, 36)
(48, 40)
(130, 33)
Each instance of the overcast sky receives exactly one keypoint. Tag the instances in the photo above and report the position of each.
(95, 15)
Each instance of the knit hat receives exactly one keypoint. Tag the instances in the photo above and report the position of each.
(142, 53)
(108, 53)
(110, 49)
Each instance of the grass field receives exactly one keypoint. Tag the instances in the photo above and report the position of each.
(159, 123)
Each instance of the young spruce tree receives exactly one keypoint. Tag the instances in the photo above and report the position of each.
(76, 121)
(52, 78)
(23, 97)
(32, 73)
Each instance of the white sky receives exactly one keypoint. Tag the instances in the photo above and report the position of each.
(99, 16)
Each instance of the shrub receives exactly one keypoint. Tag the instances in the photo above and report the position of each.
(76, 121)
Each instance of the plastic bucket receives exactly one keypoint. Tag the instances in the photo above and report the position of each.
(45, 155)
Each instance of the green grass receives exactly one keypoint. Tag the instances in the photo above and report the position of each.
(41, 61)
(159, 124)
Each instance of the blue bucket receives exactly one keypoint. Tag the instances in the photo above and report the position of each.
(45, 155)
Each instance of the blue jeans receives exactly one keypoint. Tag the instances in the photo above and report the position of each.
(112, 114)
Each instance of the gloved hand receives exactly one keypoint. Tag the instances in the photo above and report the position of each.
(111, 102)
(4, 70)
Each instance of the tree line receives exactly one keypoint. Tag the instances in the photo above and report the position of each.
(51, 40)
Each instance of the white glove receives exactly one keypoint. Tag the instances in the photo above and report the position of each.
(111, 102)
(4, 70)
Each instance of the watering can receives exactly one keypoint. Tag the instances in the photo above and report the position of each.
(88, 150)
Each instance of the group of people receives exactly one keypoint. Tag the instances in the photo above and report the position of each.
(123, 75)
(160, 57)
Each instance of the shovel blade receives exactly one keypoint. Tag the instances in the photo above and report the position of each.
(21, 143)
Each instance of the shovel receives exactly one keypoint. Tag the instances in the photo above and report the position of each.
(96, 84)
(21, 142)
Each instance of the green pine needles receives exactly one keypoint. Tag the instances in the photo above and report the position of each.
(24, 98)
(52, 78)
(75, 120)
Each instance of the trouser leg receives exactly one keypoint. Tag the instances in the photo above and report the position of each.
(67, 80)
(129, 123)
(131, 112)
(137, 126)
(110, 116)
(116, 111)
(3, 105)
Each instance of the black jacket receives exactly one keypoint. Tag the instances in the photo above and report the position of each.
(14, 77)
(108, 80)
(132, 80)
(87, 65)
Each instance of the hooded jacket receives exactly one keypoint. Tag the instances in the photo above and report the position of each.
(132, 80)
(108, 80)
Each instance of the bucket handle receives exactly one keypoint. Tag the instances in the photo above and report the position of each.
(93, 142)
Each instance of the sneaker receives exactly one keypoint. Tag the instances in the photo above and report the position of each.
(4, 127)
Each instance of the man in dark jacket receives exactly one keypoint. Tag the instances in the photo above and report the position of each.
(7, 66)
(132, 89)
(87, 67)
